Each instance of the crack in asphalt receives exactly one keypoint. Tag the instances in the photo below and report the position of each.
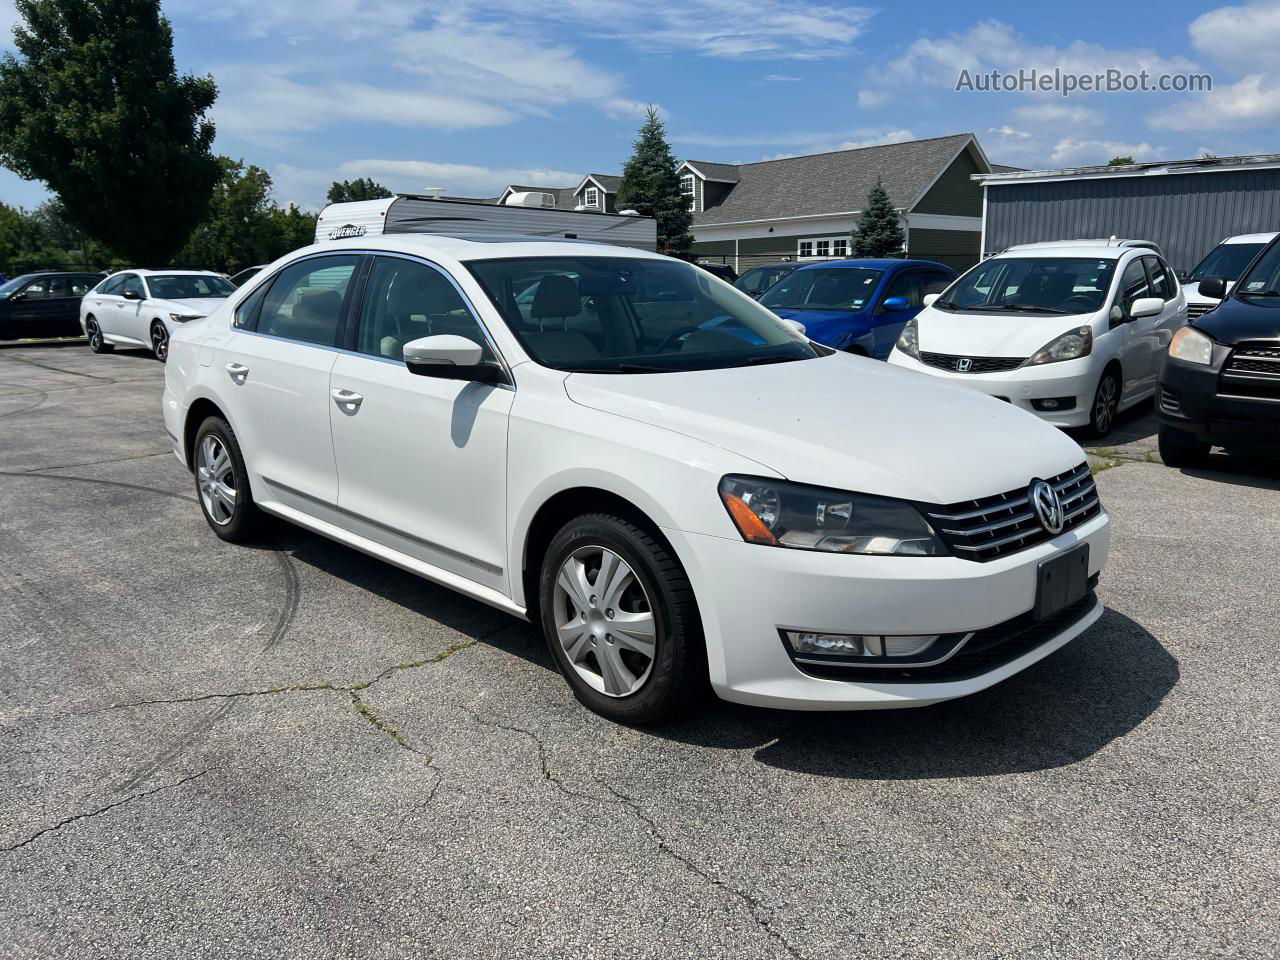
(98, 463)
(109, 483)
(101, 810)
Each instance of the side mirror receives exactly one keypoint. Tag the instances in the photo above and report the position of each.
(131, 295)
(896, 304)
(1184, 276)
(1146, 307)
(450, 357)
(794, 323)
(17, 298)
(1215, 288)
(929, 298)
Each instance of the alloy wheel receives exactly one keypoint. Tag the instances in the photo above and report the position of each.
(95, 334)
(1104, 405)
(160, 342)
(217, 480)
(604, 621)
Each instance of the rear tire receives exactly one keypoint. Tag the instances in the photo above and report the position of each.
(1181, 449)
(96, 342)
(620, 618)
(222, 483)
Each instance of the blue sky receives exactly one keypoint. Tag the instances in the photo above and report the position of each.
(469, 96)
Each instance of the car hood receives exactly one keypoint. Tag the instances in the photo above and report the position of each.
(846, 422)
(991, 334)
(1234, 321)
(817, 321)
(200, 305)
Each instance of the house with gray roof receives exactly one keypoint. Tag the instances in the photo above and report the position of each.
(745, 214)
(595, 191)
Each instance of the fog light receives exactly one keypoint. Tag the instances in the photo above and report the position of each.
(857, 644)
(1054, 403)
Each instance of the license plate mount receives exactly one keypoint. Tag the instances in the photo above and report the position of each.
(1061, 581)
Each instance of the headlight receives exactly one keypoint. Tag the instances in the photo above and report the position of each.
(909, 340)
(184, 317)
(1070, 346)
(1191, 346)
(782, 514)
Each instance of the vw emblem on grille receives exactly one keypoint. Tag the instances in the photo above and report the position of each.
(964, 365)
(1048, 505)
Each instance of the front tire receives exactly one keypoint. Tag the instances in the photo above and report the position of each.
(1181, 449)
(620, 618)
(1106, 404)
(160, 340)
(96, 341)
(222, 483)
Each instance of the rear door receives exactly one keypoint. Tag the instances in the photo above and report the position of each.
(103, 301)
(1132, 339)
(276, 367)
(422, 461)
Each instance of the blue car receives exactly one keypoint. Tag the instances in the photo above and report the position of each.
(859, 306)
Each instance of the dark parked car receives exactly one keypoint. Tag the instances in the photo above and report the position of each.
(759, 279)
(43, 304)
(721, 270)
(1220, 381)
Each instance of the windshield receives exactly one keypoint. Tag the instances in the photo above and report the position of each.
(760, 279)
(189, 286)
(633, 315)
(1226, 260)
(830, 288)
(15, 284)
(1263, 279)
(1066, 285)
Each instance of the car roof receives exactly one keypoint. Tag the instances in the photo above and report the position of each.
(1084, 250)
(1252, 238)
(477, 248)
(874, 263)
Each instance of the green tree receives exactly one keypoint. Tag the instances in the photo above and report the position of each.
(295, 228)
(94, 107)
(362, 188)
(651, 187)
(1119, 161)
(879, 231)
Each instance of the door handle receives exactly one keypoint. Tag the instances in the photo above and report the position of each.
(238, 372)
(346, 398)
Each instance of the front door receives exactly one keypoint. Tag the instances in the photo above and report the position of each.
(889, 323)
(1134, 336)
(277, 363)
(422, 462)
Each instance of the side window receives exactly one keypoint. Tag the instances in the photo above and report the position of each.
(37, 289)
(82, 285)
(1133, 286)
(1157, 278)
(58, 287)
(405, 300)
(112, 286)
(931, 281)
(133, 284)
(246, 315)
(305, 300)
(903, 285)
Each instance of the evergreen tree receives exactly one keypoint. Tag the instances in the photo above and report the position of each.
(879, 231)
(362, 188)
(93, 106)
(1119, 161)
(651, 187)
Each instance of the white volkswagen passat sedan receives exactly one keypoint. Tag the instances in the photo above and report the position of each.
(141, 308)
(668, 479)
(1072, 332)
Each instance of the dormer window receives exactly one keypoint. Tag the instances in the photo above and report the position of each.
(591, 197)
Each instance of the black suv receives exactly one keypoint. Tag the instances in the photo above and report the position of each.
(44, 304)
(1220, 381)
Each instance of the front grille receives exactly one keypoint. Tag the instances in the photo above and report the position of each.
(947, 361)
(1252, 371)
(1195, 310)
(986, 650)
(994, 526)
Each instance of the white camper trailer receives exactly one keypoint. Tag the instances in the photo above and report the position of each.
(405, 213)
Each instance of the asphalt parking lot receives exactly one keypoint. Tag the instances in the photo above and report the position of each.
(209, 750)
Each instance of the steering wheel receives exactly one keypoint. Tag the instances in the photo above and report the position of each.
(1083, 299)
(676, 335)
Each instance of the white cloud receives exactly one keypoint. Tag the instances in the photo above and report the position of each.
(812, 141)
(1069, 152)
(1245, 36)
(1251, 103)
(780, 78)
(1010, 132)
(1057, 116)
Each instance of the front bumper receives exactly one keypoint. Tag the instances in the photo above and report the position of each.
(1070, 378)
(747, 593)
(1196, 399)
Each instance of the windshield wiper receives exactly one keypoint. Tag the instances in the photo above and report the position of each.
(1019, 308)
(624, 368)
(756, 361)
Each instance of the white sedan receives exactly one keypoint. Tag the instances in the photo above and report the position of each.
(674, 484)
(141, 308)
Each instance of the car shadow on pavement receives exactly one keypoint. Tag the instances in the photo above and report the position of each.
(1239, 469)
(1058, 712)
(43, 344)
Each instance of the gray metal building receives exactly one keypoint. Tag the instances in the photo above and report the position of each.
(1186, 206)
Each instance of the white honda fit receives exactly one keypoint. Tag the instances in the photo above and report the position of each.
(1071, 331)
(672, 482)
